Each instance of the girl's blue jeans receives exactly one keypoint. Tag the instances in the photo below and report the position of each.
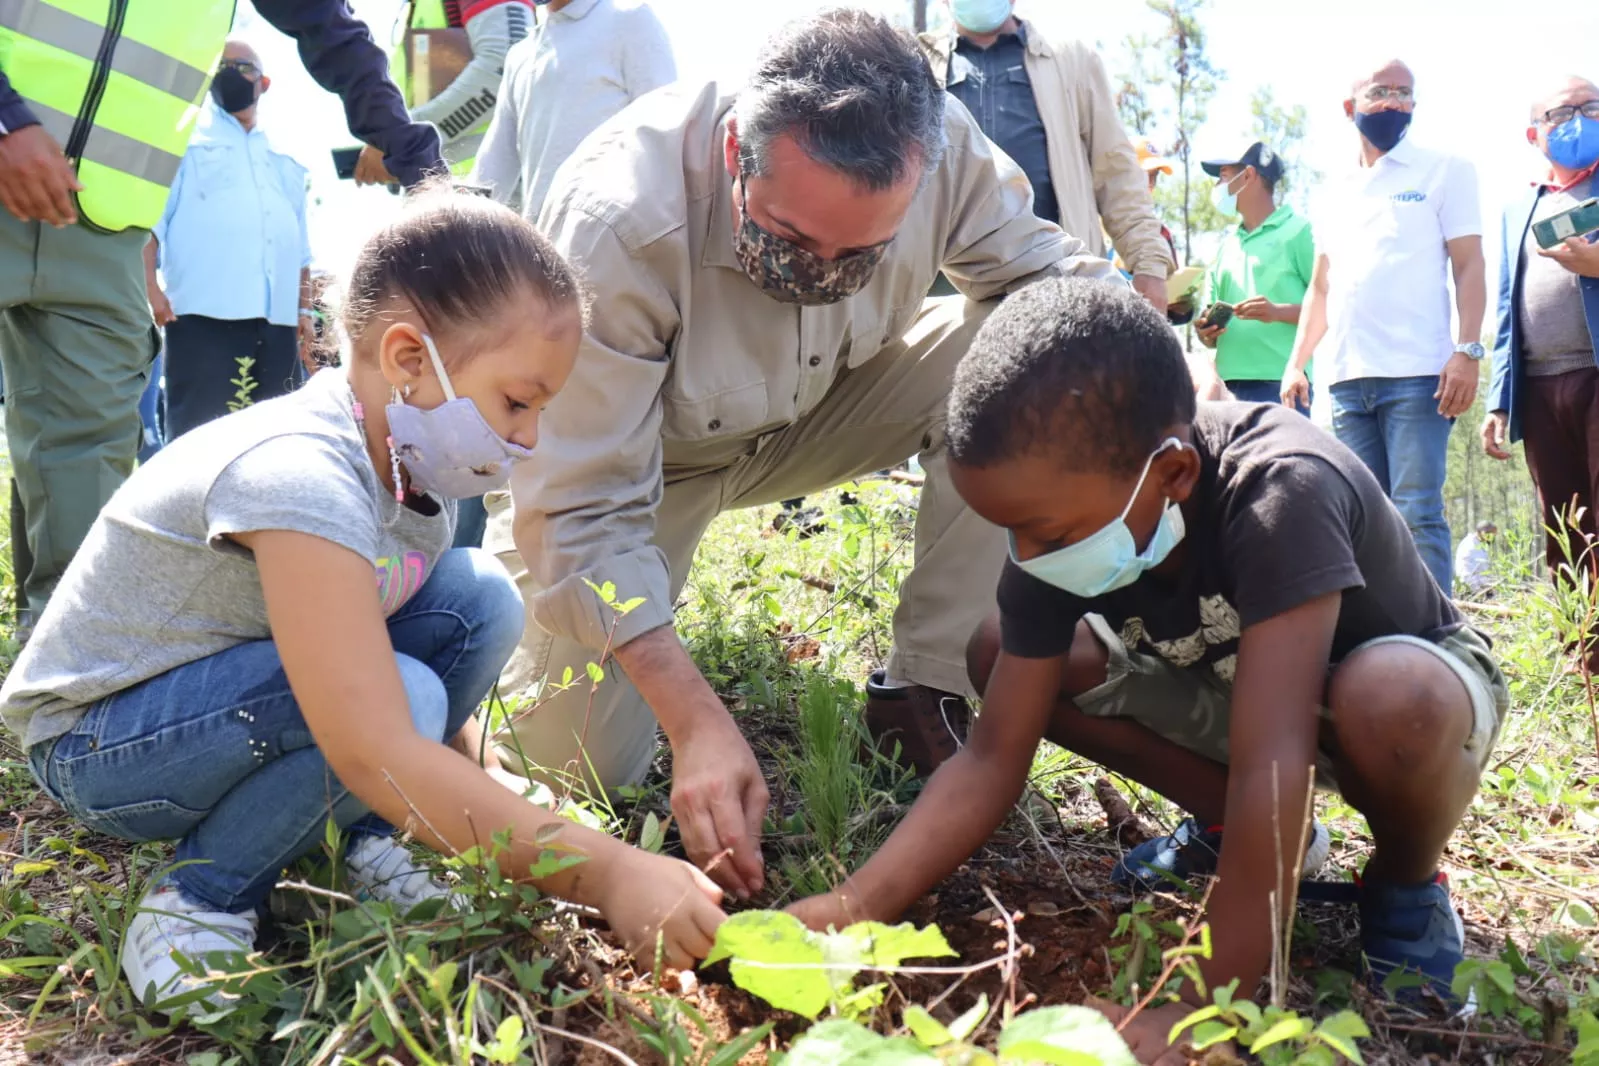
(217, 755)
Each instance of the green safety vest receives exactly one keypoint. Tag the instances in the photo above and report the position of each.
(119, 85)
(424, 15)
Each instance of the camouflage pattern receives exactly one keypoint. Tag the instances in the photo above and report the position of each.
(793, 275)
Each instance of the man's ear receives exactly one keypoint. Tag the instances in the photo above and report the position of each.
(1349, 110)
(266, 83)
(730, 149)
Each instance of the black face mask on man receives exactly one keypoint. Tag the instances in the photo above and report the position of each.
(232, 91)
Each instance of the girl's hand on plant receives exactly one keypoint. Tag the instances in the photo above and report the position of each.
(1147, 1031)
(655, 903)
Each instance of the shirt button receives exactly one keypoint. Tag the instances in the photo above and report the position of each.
(816, 360)
(715, 424)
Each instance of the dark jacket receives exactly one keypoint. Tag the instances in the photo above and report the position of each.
(341, 55)
(1506, 377)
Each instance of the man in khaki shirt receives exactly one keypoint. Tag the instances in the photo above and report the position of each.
(759, 263)
(1048, 104)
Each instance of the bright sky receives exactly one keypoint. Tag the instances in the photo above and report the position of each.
(1474, 84)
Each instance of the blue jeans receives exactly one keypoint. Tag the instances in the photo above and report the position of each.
(216, 753)
(1394, 426)
(1263, 392)
(150, 410)
(471, 522)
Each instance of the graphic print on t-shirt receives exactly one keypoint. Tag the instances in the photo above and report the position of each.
(399, 577)
(1218, 625)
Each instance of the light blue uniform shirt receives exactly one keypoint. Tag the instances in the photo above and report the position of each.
(233, 236)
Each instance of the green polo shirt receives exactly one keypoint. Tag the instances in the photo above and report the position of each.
(1274, 261)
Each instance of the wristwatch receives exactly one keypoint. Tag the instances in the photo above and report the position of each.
(1473, 351)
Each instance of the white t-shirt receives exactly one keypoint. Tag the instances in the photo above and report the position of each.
(1384, 231)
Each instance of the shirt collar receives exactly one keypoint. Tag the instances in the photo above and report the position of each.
(1402, 153)
(576, 9)
(719, 234)
(1547, 183)
(1282, 214)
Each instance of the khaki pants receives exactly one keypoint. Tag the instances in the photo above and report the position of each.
(874, 416)
(76, 345)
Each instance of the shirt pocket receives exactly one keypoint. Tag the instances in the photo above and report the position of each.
(1016, 94)
(213, 169)
(736, 411)
(876, 330)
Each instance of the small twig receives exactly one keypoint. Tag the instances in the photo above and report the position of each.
(1008, 973)
(1177, 958)
(567, 1034)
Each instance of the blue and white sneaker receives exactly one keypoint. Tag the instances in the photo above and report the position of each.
(1413, 928)
(1162, 864)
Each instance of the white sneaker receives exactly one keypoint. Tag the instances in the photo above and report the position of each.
(378, 868)
(168, 922)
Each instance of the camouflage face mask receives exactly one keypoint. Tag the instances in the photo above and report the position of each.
(793, 275)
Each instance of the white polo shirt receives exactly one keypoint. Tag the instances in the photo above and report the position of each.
(1384, 229)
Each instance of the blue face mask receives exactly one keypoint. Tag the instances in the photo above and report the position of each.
(1574, 144)
(980, 16)
(1383, 129)
(1110, 559)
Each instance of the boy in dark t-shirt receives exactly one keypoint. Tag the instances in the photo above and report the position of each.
(1216, 603)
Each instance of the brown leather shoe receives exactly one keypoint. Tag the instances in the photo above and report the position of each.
(928, 725)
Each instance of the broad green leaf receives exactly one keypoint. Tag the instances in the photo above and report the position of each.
(25, 869)
(1580, 915)
(1203, 1014)
(1286, 1029)
(761, 944)
(1209, 1033)
(926, 1028)
(879, 946)
(1341, 1031)
(967, 1023)
(507, 1040)
(596, 673)
(828, 1043)
(652, 837)
(1064, 1036)
(630, 606)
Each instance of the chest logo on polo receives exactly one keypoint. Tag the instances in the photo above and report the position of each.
(1409, 196)
(1218, 625)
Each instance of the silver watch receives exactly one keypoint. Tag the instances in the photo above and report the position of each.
(1474, 350)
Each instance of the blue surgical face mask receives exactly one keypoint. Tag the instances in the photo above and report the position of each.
(1383, 129)
(980, 16)
(1223, 196)
(1110, 559)
(450, 450)
(1574, 144)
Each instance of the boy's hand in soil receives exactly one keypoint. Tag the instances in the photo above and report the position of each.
(650, 899)
(837, 909)
(1147, 1033)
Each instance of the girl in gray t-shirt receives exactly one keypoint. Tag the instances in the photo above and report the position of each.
(266, 629)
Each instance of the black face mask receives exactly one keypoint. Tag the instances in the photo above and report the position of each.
(232, 91)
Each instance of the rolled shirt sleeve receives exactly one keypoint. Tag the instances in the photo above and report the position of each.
(1121, 188)
(996, 243)
(585, 503)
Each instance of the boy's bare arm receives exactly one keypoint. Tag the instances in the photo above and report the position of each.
(1278, 689)
(963, 803)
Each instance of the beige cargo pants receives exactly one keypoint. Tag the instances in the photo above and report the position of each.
(875, 415)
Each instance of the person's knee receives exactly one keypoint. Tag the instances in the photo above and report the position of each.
(502, 616)
(982, 652)
(1087, 664)
(426, 696)
(1398, 710)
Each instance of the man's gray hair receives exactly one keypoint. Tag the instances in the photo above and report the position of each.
(856, 93)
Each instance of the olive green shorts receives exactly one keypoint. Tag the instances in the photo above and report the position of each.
(1192, 706)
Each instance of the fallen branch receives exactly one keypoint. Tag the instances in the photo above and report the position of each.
(1128, 829)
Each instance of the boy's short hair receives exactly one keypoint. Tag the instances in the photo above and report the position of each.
(1084, 372)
